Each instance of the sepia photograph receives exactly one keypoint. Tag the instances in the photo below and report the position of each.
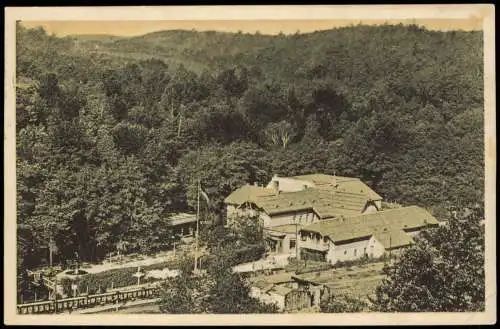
(250, 165)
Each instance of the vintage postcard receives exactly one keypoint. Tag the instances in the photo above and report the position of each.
(242, 165)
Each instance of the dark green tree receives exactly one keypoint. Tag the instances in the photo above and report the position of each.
(343, 304)
(442, 272)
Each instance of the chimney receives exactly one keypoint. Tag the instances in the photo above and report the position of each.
(334, 181)
(276, 186)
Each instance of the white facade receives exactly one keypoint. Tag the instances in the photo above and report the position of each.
(233, 211)
(342, 252)
(413, 233)
(370, 208)
(300, 217)
(284, 243)
(354, 250)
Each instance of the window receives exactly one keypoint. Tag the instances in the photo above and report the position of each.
(292, 244)
(345, 252)
(303, 237)
(355, 252)
(364, 251)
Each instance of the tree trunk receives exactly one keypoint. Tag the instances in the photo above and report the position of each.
(179, 127)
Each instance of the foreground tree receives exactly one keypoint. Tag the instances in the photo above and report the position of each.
(217, 290)
(184, 294)
(442, 272)
(343, 304)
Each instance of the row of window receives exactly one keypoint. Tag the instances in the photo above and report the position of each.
(356, 251)
(303, 237)
(303, 219)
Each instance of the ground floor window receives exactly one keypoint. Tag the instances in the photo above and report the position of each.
(314, 255)
(292, 244)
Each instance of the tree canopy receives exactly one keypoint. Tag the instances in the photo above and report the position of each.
(443, 272)
(113, 133)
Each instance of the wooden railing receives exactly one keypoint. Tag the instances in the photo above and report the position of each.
(53, 306)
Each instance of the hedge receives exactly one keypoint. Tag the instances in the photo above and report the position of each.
(246, 254)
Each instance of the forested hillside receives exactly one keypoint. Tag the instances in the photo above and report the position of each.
(113, 132)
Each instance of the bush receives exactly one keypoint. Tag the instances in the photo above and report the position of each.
(343, 304)
(248, 254)
(362, 261)
(306, 266)
(317, 267)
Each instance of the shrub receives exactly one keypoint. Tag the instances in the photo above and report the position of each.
(362, 261)
(315, 268)
(248, 254)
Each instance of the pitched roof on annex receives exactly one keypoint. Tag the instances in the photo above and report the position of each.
(383, 224)
(281, 290)
(273, 278)
(182, 218)
(285, 229)
(393, 239)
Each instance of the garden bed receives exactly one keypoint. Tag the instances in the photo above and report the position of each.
(115, 278)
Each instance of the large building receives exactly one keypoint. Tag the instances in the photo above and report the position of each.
(287, 204)
(325, 217)
(366, 235)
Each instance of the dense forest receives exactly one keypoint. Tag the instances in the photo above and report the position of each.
(114, 132)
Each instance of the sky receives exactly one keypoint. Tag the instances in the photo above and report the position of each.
(134, 28)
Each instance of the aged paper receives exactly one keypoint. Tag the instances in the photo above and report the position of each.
(271, 20)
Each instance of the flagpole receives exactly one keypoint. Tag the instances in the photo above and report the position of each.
(197, 228)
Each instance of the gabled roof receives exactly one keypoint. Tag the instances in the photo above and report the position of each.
(393, 239)
(273, 278)
(287, 228)
(366, 225)
(263, 285)
(351, 185)
(324, 203)
(182, 218)
(247, 193)
(322, 179)
(349, 198)
(281, 290)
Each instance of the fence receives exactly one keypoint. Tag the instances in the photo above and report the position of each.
(54, 306)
